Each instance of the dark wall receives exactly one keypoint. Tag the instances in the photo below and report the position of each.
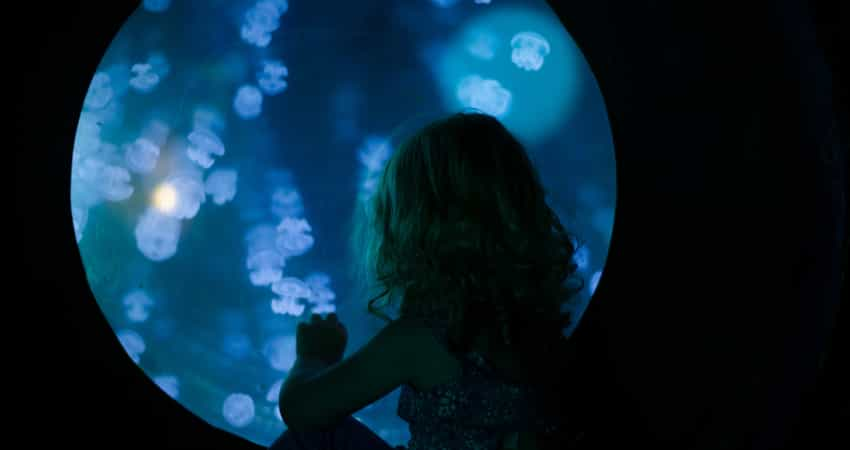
(719, 299)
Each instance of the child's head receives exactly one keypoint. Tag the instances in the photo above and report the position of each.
(459, 223)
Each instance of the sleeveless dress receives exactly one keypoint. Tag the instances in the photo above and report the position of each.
(471, 412)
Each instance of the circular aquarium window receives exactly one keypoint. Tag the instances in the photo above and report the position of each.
(223, 146)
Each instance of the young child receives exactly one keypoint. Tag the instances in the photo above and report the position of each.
(460, 239)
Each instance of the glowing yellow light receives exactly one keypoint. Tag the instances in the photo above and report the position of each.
(165, 197)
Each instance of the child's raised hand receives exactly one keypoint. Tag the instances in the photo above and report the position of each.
(321, 339)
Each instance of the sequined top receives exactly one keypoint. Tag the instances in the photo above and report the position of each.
(473, 411)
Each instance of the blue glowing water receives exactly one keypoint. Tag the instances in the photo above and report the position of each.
(223, 145)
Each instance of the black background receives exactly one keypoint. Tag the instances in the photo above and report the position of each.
(716, 323)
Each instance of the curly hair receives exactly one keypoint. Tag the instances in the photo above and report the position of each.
(459, 225)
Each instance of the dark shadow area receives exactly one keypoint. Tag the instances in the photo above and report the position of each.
(716, 323)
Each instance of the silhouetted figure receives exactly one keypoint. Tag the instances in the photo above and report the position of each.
(461, 242)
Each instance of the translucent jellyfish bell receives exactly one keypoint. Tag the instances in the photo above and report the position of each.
(221, 185)
(141, 155)
(157, 235)
(189, 195)
(291, 287)
(238, 410)
(483, 46)
(133, 344)
(287, 306)
(114, 183)
(100, 91)
(203, 145)
(145, 79)
(374, 153)
(286, 202)
(487, 96)
(271, 78)
(293, 239)
(280, 352)
(529, 50)
(248, 102)
(261, 237)
(137, 305)
(170, 384)
(159, 64)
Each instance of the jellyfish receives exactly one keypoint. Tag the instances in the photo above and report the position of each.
(248, 102)
(323, 308)
(156, 6)
(169, 384)
(320, 295)
(80, 217)
(317, 279)
(291, 287)
(156, 131)
(286, 202)
(238, 410)
(87, 139)
(374, 153)
(208, 118)
(137, 304)
(274, 391)
(221, 185)
(265, 267)
(141, 155)
(482, 2)
(261, 237)
(594, 281)
(293, 239)
(581, 257)
(280, 352)
(189, 195)
(483, 46)
(485, 95)
(100, 91)
(287, 306)
(114, 183)
(261, 20)
(157, 235)
(133, 344)
(145, 79)
(529, 50)
(159, 64)
(271, 77)
(203, 144)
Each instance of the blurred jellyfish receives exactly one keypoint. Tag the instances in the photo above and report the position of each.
(141, 155)
(323, 308)
(287, 306)
(292, 239)
(292, 288)
(100, 91)
(157, 235)
(80, 216)
(594, 281)
(529, 50)
(286, 202)
(188, 194)
(317, 279)
(271, 77)
(159, 64)
(236, 345)
(280, 352)
(274, 391)
(208, 118)
(119, 77)
(156, 6)
(169, 384)
(133, 344)
(321, 295)
(87, 139)
(203, 144)
(581, 257)
(261, 20)
(261, 237)
(145, 79)
(482, 2)
(248, 102)
(114, 183)
(265, 267)
(444, 3)
(137, 305)
(483, 46)
(485, 95)
(374, 153)
(238, 410)
(221, 185)
(156, 131)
